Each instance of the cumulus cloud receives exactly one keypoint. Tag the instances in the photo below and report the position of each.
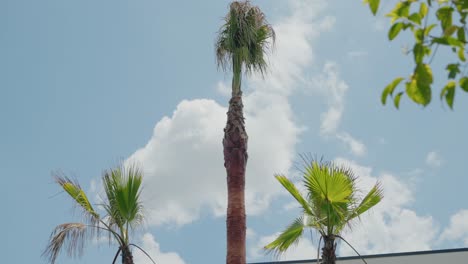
(183, 160)
(293, 51)
(223, 89)
(434, 159)
(149, 244)
(389, 226)
(355, 146)
(334, 89)
(457, 229)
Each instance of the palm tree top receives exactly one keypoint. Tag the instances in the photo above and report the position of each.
(123, 212)
(244, 38)
(331, 203)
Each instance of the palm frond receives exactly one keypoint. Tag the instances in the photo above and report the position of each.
(373, 197)
(244, 38)
(290, 236)
(340, 185)
(69, 235)
(331, 202)
(123, 187)
(76, 192)
(289, 186)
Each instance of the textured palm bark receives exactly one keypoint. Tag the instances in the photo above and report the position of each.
(127, 257)
(235, 160)
(328, 250)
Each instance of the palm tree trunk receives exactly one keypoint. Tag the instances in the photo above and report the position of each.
(329, 250)
(235, 160)
(127, 257)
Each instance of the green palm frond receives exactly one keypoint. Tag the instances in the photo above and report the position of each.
(290, 236)
(124, 211)
(123, 187)
(69, 235)
(331, 201)
(76, 192)
(244, 38)
(373, 197)
(289, 186)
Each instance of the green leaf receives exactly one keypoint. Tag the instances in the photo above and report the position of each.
(450, 41)
(289, 186)
(461, 34)
(461, 54)
(416, 18)
(401, 10)
(428, 29)
(419, 93)
(423, 74)
(288, 237)
(419, 35)
(419, 88)
(374, 6)
(453, 69)
(464, 83)
(396, 100)
(449, 93)
(418, 52)
(450, 30)
(423, 10)
(390, 88)
(394, 30)
(372, 198)
(444, 15)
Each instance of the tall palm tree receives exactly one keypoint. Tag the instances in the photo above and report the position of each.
(123, 211)
(241, 45)
(332, 201)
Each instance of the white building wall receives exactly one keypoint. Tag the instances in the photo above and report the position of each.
(450, 256)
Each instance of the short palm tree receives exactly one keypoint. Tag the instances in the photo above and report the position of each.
(332, 201)
(123, 211)
(241, 44)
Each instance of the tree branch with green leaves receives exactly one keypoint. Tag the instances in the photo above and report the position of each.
(433, 24)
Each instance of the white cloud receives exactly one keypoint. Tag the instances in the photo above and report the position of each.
(390, 225)
(458, 228)
(434, 159)
(182, 163)
(293, 50)
(356, 147)
(223, 89)
(183, 160)
(149, 244)
(334, 89)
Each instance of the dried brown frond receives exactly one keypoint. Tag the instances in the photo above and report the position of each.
(69, 235)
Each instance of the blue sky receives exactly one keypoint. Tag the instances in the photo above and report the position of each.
(88, 83)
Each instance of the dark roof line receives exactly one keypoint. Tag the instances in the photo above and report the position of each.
(426, 252)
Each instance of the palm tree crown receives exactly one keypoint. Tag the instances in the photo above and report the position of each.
(243, 40)
(123, 209)
(332, 201)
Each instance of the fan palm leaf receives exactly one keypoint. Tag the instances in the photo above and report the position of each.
(331, 203)
(243, 40)
(122, 186)
(74, 190)
(290, 236)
